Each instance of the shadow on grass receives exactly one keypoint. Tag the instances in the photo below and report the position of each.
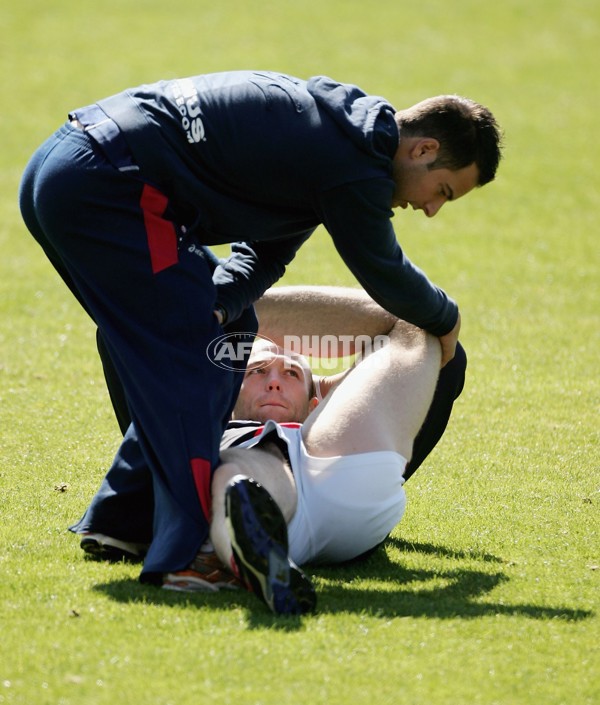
(400, 591)
(441, 593)
(127, 590)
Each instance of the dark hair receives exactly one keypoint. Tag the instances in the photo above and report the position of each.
(467, 132)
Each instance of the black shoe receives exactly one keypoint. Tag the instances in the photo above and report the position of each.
(259, 540)
(106, 548)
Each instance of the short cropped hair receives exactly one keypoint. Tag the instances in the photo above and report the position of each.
(265, 346)
(467, 132)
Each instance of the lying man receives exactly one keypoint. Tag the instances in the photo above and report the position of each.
(334, 483)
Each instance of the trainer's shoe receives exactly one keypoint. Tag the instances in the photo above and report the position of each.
(205, 573)
(106, 548)
(258, 534)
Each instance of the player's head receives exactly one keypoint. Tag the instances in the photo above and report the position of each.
(448, 146)
(467, 133)
(278, 385)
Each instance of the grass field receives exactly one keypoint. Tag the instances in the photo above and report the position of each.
(487, 592)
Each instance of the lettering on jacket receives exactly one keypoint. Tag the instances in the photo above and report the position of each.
(187, 101)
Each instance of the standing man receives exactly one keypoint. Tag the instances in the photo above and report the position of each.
(124, 196)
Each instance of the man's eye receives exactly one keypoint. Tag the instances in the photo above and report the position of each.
(255, 371)
(293, 373)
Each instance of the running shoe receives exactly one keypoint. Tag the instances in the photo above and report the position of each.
(258, 534)
(206, 573)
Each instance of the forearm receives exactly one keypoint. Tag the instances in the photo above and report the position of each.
(363, 235)
(307, 311)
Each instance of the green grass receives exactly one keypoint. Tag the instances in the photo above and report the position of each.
(487, 592)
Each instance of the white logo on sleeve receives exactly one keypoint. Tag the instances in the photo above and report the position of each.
(187, 101)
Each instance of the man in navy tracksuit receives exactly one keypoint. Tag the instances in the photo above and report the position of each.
(126, 195)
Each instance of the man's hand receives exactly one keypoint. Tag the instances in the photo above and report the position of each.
(448, 343)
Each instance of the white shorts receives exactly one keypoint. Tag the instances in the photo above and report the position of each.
(346, 505)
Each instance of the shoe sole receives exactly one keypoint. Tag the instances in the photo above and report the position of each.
(180, 584)
(105, 552)
(191, 581)
(259, 540)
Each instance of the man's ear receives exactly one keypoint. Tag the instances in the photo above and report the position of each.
(425, 150)
(312, 404)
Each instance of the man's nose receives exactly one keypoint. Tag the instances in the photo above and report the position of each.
(273, 383)
(433, 207)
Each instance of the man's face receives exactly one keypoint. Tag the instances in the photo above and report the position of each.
(276, 386)
(428, 189)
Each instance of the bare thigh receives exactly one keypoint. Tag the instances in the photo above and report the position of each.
(382, 403)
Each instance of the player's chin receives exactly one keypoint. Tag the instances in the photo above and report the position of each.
(276, 413)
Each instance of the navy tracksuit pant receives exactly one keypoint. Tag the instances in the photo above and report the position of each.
(114, 240)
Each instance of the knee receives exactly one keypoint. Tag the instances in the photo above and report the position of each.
(411, 345)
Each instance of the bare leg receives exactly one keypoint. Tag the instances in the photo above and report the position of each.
(266, 465)
(382, 403)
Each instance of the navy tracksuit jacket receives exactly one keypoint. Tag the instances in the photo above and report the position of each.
(124, 209)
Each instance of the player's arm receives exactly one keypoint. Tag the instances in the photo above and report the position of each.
(307, 311)
(342, 313)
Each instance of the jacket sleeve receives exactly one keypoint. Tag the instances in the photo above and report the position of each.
(363, 235)
(251, 269)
